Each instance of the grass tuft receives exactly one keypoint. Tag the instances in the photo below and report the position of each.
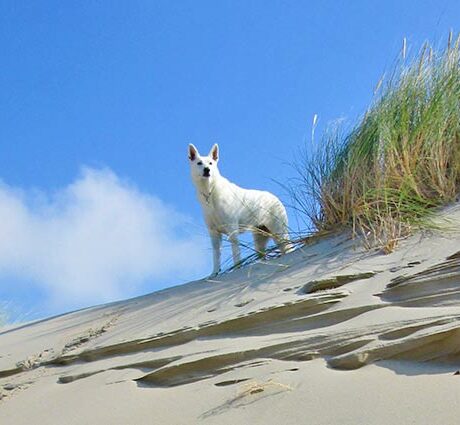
(384, 177)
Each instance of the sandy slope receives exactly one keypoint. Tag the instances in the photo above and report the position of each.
(279, 342)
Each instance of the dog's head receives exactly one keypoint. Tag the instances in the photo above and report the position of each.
(203, 168)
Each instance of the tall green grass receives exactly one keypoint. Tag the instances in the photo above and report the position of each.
(402, 159)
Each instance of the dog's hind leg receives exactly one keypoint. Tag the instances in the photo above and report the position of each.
(260, 241)
(283, 244)
(216, 241)
(280, 235)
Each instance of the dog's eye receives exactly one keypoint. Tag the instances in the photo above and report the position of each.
(210, 163)
(199, 163)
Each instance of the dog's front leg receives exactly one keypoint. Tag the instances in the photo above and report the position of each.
(216, 241)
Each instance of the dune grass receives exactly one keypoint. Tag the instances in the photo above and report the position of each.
(384, 177)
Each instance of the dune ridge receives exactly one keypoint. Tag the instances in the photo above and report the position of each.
(254, 341)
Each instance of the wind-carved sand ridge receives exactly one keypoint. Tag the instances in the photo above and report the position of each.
(436, 286)
(248, 337)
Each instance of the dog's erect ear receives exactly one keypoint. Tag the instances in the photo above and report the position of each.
(192, 152)
(214, 152)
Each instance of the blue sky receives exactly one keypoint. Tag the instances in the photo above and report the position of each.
(100, 99)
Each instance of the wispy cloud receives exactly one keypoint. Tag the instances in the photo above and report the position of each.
(96, 240)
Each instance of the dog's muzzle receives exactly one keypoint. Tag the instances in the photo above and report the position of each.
(206, 172)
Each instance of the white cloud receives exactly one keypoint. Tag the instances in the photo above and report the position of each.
(96, 240)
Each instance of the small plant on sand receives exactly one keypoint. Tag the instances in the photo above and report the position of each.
(385, 176)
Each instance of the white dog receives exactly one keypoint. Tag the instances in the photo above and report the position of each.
(230, 210)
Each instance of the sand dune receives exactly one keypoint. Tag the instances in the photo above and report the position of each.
(329, 334)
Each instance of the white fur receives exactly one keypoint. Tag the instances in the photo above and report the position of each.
(229, 209)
